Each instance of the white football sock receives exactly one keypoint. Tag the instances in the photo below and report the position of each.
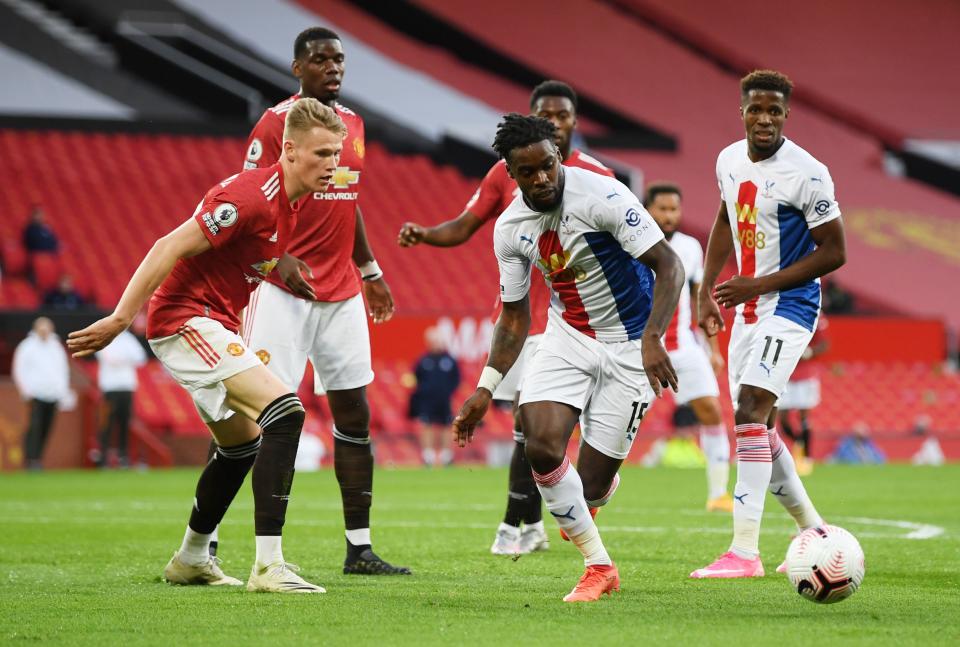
(359, 536)
(753, 477)
(195, 549)
(716, 449)
(562, 492)
(269, 550)
(215, 535)
(787, 488)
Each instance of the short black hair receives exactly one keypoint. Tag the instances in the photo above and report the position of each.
(517, 131)
(553, 89)
(659, 188)
(766, 80)
(311, 34)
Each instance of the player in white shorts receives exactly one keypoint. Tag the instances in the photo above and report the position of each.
(600, 360)
(695, 371)
(200, 276)
(779, 216)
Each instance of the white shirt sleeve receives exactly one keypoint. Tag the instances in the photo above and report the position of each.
(817, 199)
(514, 267)
(720, 178)
(696, 275)
(628, 222)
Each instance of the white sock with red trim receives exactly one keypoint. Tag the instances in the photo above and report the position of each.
(753, 477)
(562, 492)
(787, 488)
(716, 449)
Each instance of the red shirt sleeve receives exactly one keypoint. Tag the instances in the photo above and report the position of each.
(265, 141)
(221, 216)
(486, 203)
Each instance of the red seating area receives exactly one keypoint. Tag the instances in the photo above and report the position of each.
(640, 71)
(863, 63)
(108, 214)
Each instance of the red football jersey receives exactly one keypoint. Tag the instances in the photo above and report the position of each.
(810, 368)
(326, 224)
(497, 190)
(248, 220)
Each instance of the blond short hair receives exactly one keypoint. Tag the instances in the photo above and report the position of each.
(308, 113)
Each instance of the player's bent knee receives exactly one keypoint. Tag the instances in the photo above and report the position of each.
(753, 406)
(544, 456)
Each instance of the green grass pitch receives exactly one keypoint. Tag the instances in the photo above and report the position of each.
(81, 555)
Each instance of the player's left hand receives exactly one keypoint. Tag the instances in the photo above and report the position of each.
(96, 336)
(379, 300)
(737, 290)
(657, 365)
(471, 413)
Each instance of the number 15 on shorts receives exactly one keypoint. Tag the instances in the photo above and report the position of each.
(639, 408)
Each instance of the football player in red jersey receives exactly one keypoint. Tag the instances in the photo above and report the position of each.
(312, 308)
(556, 102)
(201, 275)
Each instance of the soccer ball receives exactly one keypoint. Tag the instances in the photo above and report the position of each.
(825, 564)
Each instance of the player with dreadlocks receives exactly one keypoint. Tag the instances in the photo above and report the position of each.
(601, 360)
(556, 102)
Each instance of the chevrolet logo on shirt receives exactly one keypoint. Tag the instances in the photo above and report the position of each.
(343, 177)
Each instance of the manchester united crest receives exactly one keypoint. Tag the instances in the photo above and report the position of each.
(235, 349)
(359, 148)
(264, 356)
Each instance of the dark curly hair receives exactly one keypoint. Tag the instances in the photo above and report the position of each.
(311, 34)
(517, 131)
(553, 89)
(660, 188)
(766, 80)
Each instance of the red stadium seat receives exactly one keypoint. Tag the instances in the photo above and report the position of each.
(47, 270)
(15, 259)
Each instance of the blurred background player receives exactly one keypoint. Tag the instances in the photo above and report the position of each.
(117, 379)
(201, 275)
(779, 215)
(556, 102)
(312, 307)
(601, 359)
(42, 376)
(802, 394)
(437, 378)
(695, 371)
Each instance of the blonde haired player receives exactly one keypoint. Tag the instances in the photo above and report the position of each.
(200, 276)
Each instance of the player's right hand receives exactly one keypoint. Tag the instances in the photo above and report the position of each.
(657, 366)
(292, 270)
(710, 318)
(95, 336)
(471, 413)
(410, 234)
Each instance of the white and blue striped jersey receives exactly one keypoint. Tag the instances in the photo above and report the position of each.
(772, 205)
(587, 249)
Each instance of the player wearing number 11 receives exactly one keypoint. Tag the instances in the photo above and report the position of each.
(600, 359)
(779, 216)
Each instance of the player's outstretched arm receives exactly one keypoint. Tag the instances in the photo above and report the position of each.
(447, 234)
(377, 292)
(508, 337)
(666, 293)
(184, 241)
(830, 255)
(719, 248)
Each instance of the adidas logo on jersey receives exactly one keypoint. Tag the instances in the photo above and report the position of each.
(271, 187)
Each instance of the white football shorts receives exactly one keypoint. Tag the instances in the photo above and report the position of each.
(605, 381)
(513, 381)
(285, 330)
(695, 377)
(764, 354)
(800, 394)
(199, 357)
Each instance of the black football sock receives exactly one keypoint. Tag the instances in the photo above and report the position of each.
(522, 490)
(281, 422)
(353, 466)
(805, 437)
(219, 483)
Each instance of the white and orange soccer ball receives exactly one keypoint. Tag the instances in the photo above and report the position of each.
(825, 564)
